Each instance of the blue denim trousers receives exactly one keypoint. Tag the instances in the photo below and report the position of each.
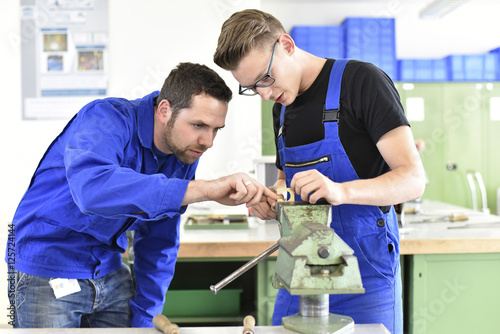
(102, 302)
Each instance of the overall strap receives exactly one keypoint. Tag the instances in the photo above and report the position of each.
(331, 110)
(282, 119)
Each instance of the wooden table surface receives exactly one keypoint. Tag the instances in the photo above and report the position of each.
(417, 237)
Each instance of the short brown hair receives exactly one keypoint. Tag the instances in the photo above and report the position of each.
(243, 31)
(189, 79)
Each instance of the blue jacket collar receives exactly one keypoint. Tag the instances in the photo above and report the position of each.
(145, 119)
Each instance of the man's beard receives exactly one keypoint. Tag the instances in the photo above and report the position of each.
(182, 153)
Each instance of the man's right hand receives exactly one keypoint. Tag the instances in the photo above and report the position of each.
(232, 190)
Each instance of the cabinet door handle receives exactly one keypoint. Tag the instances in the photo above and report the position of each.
(471, 176)
(482, 188)
(472, 186)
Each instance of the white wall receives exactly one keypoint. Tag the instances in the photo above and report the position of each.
(148, 38)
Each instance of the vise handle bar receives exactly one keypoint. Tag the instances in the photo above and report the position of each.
(244, 268)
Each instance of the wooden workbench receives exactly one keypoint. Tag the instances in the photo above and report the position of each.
(445, 237)
(416, 238)
(229, 243)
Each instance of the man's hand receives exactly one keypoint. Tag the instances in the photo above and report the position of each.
(405, 180)
(231, 190)
(266, 209)
(312, 186)
(239, 189)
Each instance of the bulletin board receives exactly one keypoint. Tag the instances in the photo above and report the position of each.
(63, 56)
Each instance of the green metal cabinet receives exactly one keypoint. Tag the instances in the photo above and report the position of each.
(266, 293)
(464, 140)
(190, 302)
(493, 147)
(431, 131)
(460, 137)
(454, 293)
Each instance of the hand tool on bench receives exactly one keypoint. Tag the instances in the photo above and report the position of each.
(164, 325)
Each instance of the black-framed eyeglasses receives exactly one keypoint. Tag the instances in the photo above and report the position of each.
(265, 81)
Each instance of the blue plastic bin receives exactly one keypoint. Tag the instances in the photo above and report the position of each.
(422, 70)
(372, 40)
(496, 59)
(322, 41)
(477, 67)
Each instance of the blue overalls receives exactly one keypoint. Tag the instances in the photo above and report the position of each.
(372, 235)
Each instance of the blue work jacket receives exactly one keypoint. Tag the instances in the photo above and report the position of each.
(98, 179)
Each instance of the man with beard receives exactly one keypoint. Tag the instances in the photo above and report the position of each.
(119, 165)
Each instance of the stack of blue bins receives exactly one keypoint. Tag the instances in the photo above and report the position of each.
(496, 54)
(372, 40)
(423, 70)
(477, 67)
(366, 39)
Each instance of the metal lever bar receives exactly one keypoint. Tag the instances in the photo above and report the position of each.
(244, 268)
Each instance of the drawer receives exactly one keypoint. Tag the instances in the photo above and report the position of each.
(202, 303)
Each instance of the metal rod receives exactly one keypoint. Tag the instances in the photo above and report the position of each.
(244, 268)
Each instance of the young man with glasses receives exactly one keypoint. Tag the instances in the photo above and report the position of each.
(342, 136)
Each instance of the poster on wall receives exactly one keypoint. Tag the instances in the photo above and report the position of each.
(63, 56)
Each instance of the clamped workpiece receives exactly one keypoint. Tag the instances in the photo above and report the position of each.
(313, 262)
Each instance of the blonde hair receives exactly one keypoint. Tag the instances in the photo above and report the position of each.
(242, 32)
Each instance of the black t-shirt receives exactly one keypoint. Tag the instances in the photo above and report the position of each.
(369, 108)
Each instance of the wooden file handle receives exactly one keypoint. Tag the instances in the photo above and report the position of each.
(248, 324)
(164, 325)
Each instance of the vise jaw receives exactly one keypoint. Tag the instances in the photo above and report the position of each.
(312, 258)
